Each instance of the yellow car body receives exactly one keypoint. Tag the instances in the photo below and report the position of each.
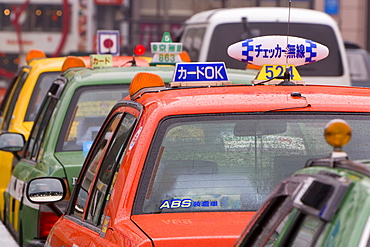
(21, 106)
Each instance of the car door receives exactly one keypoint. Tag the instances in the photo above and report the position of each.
(85, 216)
(15, 209)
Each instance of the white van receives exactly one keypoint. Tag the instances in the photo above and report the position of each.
(206, 36)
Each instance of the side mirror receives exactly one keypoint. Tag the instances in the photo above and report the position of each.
(11, 142)
(46, 190)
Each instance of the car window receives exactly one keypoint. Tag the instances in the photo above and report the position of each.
(192, 42)
(9, 90)
(13, 100)
(86, 113)
(108, 169)
(307, 229)
(232, 162)
(36, 137)
(92, 164)
(227, 34)
(33, 145)
(43, 84)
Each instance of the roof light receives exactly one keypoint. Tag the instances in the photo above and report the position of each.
(72, 62)
(337, 133)
(144, 80)
(140, 50)
(276, 50)
(166, 52)
(184, 55)
(278, 55)
(101, 61)
(200, 74)
(33, 54)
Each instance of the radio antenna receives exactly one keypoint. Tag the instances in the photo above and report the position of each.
(286, 73)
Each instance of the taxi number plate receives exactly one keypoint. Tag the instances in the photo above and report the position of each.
(269, 72)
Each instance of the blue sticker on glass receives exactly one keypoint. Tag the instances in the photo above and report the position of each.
(86, 146)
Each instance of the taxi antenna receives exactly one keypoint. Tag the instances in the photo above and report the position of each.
(286, 73)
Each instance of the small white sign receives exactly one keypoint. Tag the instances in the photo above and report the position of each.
(108, 42)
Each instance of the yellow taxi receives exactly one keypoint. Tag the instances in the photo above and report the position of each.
(24, 97)
(21, 103)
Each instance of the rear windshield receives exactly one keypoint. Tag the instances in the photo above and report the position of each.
(227, 34)
(86, 113)
(232, 162)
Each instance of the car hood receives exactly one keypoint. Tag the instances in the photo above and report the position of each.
(204, 229)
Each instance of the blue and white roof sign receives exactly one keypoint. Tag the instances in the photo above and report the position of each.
(277, 50)
(211, 71)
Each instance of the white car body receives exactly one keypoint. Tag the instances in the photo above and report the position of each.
(206, 36)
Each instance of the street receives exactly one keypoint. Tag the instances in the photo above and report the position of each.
(5, 238)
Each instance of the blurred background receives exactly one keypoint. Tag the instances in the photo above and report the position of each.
(69, 27)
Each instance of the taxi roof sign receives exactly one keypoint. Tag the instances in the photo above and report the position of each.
(272, 74)
(198, 74)
(277, 50)
(101, 61)
(108, 42)
(166, 51)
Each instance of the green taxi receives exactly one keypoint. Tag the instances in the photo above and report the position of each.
(323, 204)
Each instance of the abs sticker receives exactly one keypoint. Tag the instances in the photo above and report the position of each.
(176, 203)
(134, 139)
(202, 202)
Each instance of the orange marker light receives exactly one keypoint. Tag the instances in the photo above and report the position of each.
(72, 62)
(337, 133)
(145, 80)
(33, 54)
(184, 55)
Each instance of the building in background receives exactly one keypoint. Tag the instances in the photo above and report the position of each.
(63, 27)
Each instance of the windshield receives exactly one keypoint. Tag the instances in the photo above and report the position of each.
(232, 162)
(226, 34)
(86, 113)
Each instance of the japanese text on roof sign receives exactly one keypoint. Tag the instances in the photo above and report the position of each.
(166, 47)
(104, 60)
(200, 72)
(278, 50)
(291, 51)
(97, 61)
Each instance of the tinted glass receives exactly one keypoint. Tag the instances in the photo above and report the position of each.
(192, 42)
(92, 165)
(227, 34)
(231, 163)
(39, 92)
(87, 112)
(108, 168)
(11, 102)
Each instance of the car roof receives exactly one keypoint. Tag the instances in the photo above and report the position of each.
(166, 72)
(114, 73)
(261, 14)
(52, 63)
(244, 98)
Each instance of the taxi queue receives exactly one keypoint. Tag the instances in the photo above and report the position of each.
(219, 142)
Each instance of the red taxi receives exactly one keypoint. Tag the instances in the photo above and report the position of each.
(190, 163)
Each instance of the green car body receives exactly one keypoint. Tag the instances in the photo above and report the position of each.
(324, 204)
(44, 153)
